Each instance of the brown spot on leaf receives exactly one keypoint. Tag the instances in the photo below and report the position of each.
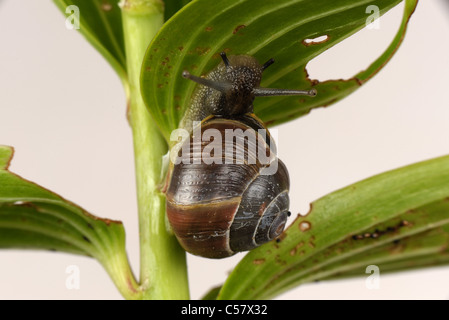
(209, 29)
(279, 260)
(258, 261)
(296, 248)
(238, 28)
(397, 248)
(106, 6)
(131, 285)
(202, 51)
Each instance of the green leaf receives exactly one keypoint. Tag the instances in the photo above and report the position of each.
(5, 156)
(173, 6)
(351, 228)
(212, 294)
(101, 24)
(32, 217)
(265, 29)
(408, 250)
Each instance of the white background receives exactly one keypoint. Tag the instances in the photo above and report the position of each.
(63, 109)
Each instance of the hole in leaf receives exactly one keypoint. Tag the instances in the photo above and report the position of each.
(357, 52)
(314, 41)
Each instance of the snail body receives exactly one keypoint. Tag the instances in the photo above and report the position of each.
(223, 196)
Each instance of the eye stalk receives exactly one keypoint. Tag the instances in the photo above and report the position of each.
(267, 92)
(226, 87)
(267, 64)
(217, 85)
(225, 59)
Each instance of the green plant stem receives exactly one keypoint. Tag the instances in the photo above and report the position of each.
(163, 271)
(117, 266)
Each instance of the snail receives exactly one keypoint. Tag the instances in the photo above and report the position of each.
(216, 205)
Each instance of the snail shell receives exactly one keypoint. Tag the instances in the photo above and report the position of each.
(221, 203)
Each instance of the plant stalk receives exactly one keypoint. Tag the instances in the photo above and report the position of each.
(163, 271)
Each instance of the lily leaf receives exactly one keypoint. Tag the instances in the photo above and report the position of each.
(279, 29)
(173, 6)
(390, 218)
(5, 157)
(100, 22)
(32, 217)
(423, 249)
